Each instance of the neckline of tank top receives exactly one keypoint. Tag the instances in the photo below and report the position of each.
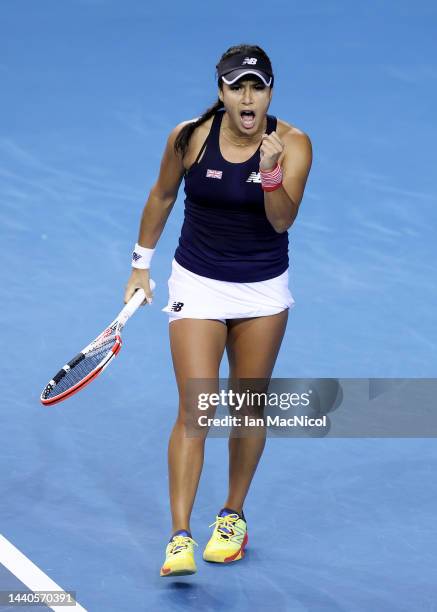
(221, 112)
(207, 139)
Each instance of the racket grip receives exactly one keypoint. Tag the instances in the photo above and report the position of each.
(134, 303)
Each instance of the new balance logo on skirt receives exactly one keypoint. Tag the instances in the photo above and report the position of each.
(177, 306)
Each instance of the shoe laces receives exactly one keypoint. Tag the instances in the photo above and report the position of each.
(180, 543)
(225, 525)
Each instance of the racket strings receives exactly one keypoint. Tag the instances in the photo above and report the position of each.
(99, 350)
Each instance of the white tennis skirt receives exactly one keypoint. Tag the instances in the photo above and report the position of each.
(198, 297)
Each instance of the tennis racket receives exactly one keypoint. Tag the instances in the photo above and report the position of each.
(94, 358)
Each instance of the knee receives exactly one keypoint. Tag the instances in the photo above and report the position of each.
(192, 421)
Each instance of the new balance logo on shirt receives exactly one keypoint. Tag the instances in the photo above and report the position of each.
(254, 177)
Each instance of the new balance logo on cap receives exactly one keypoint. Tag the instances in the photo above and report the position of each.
(177, 306)
(250, 60)
(254, 177)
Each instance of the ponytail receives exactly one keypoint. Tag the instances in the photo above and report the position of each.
(183, 138)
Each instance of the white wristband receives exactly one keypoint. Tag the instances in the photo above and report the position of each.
(141, 257)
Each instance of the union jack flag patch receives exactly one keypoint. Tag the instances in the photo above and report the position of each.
(214, 174)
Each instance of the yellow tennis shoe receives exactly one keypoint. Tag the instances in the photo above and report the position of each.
(179, 556)
(228, 539)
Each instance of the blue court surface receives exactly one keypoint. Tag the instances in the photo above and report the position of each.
(90, 91)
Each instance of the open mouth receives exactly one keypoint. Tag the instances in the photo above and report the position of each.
(247, 119)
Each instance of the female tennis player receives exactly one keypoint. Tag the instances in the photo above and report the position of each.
(245, 172)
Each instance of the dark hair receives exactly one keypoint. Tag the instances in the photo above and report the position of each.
(183, 138)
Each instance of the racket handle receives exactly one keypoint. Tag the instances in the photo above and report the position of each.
(134, 303)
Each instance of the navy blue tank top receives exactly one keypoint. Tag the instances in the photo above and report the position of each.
(226, 234)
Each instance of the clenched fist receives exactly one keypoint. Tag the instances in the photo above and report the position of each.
(271, 149)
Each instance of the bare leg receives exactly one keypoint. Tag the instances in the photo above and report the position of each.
(252, 347)
(197, 347)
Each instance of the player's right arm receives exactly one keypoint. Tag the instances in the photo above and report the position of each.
(158, 206)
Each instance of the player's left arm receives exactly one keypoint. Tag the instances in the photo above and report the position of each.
(295, 159)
